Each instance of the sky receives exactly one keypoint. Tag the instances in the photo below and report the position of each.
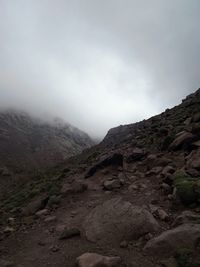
(98, 64)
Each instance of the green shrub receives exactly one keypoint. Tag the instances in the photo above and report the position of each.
(186, 189)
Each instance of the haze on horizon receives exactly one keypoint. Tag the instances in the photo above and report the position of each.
(98, 63)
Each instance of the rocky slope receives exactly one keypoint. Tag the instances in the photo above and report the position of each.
(27, 142)
(29, 145)
(132, 200)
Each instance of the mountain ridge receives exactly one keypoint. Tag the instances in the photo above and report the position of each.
(40, 144)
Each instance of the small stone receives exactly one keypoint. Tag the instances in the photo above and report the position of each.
(54, 248)
(42, 213)
(170, 197)
(124, 244)
(73, 213)
(11, 221)
(162, 215)
(8, 230)
(154, 201)
(41, 243)
(166, 188)
(133, 187)
(50, 219)
(148, 236)
(69, 232)
(111, 184)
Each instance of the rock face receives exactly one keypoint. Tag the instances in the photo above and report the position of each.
(185, 236)
(117, 220)
(96, 260)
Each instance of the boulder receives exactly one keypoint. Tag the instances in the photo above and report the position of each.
(97, 260)
(116, 220)
(169, 242)
(115, 159)
(162, 215)
(111, 184)
(69, 233)
(74, 188)
(182, 140)
(136, 154)
(35, 205)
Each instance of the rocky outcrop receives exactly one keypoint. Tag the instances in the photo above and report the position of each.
(117, 220)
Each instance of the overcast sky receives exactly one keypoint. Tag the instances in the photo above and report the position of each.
(98, 63)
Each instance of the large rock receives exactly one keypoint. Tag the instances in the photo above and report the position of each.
(35, 205)
(111, 184)
(115, 159)
(74, 188)
(182, 140)
(169, 242)
(96, 260)
(116, 220)
(136, 154)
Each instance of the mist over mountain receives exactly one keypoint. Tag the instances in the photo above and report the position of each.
(98, 64)
(29, 144)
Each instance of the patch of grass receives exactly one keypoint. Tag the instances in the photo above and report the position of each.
(41, 183)
(186, 189)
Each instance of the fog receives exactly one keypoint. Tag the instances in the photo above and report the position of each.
(98, 63)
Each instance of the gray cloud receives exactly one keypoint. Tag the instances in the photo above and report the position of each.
(95, 63)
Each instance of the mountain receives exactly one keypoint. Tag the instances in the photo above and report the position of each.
(28, 143)
(135, 197)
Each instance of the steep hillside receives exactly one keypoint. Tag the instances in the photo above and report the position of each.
(158, 131)
(27, 143)
(131, 201)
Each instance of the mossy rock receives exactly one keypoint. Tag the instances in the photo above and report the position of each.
(185, 186)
